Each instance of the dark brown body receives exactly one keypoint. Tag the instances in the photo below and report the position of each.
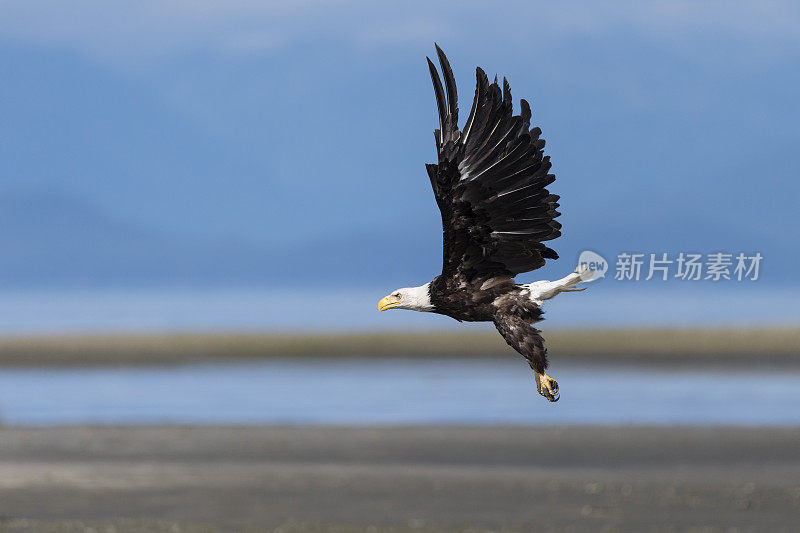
(498, 300)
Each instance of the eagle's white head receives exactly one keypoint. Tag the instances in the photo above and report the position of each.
(413, 298)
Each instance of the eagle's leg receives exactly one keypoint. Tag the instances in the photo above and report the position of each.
(536, 354)
(525, 339)
(534, 351)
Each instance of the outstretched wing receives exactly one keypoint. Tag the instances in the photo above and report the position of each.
(490, 183)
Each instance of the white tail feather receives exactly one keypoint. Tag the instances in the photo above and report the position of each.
(544, 290)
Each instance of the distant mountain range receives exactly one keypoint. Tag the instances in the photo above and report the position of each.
(53, 239)
(209, 171)
(56, 240)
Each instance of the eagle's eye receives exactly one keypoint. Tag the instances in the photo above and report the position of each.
(398, 296)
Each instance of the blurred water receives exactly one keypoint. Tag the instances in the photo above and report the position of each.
(394, 391)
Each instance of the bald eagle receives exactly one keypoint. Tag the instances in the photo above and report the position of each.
(490, 185)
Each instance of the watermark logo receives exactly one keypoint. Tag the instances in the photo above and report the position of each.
(684, 266)
(591, 266)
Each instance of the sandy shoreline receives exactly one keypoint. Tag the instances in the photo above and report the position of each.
(399, 479)
(740, 346)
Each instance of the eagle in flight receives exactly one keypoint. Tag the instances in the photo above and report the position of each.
(490, 185)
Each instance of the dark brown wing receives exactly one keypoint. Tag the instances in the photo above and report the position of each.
(490, 183)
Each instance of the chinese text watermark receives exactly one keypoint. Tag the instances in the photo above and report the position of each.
(717, 266)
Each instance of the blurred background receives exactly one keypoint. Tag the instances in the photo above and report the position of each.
(201, 203)
(251, 155)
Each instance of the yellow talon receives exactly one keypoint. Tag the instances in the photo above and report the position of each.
(547, 387)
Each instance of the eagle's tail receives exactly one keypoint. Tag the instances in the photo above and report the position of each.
(581, 273)
(544, 290)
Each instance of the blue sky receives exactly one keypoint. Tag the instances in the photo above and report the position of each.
(266, 141)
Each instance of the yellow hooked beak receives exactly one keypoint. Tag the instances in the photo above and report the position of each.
(387, 302)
